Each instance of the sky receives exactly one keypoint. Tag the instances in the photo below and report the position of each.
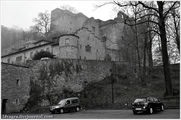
(20, 13)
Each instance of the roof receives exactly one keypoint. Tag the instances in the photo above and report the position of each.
(55, 44)
(42, 41)
(65, 35)
(48, 42)
(25, 50)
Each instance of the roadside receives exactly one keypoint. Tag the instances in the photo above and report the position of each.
(100, 114)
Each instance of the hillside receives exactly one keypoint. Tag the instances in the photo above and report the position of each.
(99, 95)
(92, 84)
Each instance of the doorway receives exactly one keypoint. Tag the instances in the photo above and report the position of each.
(3, 106)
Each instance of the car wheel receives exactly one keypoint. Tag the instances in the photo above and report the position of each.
(52, 112)
(61, 111)
(77, 109)
(134, 112)
(162, 108)
(150, 110)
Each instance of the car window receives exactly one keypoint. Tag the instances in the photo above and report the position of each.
(140, 100)
(150, 99)
(155, 99)
(62, 102)
(67, 102)
(75, 101)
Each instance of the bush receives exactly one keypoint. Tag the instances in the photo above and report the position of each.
(42, 54)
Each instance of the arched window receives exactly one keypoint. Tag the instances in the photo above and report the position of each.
(18, 82)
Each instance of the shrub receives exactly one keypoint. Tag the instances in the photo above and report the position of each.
(42, 54)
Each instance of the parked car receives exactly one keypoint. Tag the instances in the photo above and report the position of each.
(147, 104)
(66, 105)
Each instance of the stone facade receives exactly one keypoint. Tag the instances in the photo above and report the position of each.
(68, 46)
(84, 38)
(65, 21)
(15, 87)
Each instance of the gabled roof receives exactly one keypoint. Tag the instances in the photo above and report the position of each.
(25, 50)
(42, 41)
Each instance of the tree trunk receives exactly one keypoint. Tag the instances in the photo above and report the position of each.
(150, 51)
(138, 57)
(144, 59)
(178, 41)
(177, 36)
(165, 58)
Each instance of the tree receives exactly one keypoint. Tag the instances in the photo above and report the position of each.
(173, 26)
(42, 23)
(160, 11)
(42, 54)
(11, 38)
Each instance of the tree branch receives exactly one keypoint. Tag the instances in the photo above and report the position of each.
(145, 6)
(172, 7)
(150, 31)
(125, 5)
(104, 4)
(142, 22)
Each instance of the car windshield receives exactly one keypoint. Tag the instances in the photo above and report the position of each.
(62, 102)
(140, 100)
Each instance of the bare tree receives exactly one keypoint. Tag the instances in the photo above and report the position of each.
(175, 26)
(42, 23)
(160, 11)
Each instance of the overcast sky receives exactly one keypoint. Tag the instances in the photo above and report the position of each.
(20, 13)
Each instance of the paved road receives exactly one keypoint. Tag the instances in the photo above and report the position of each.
(101, 114)
(118, 114)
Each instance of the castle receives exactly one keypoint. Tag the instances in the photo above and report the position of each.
(79, 37)
(76, 36)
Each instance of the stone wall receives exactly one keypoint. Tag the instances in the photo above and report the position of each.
(90, 71)
(71, 75)
(64, 21)
(68, 47)
(15, 86)
(43, 82)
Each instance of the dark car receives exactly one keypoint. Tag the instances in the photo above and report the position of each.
(147, 104)
(66, 105)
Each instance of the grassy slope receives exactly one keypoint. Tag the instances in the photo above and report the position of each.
(98, 95)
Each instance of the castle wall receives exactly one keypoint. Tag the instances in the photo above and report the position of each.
(113, 32)
(15, 86)
(90, 37)
(68, 47)
(64, 21)
(55, 50)
(89, 71)
(95, 39)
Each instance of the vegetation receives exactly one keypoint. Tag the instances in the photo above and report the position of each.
(42, 54)
(98, 95)
(156, 16)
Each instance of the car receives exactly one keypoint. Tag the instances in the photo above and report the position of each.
(66, 105)
(147, 104)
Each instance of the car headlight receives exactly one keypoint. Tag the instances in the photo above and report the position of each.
(56, 107)
(145, 104)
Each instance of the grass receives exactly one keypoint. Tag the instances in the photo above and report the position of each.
(99, 94)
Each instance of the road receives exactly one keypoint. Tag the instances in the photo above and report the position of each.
(101, 114)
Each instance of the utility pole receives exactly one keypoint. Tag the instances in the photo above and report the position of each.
(112, 85)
